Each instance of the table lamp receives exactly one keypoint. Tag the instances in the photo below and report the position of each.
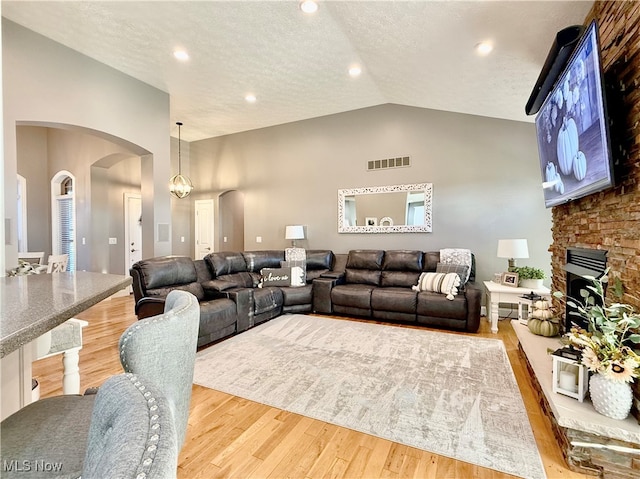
(512, 249)
(294, 232)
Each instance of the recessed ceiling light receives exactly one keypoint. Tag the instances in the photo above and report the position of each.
(308, 6)
(484, 48)
(251, 98)
(181, 55)
(355, 71)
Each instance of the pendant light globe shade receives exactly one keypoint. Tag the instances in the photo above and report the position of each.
(180, 186)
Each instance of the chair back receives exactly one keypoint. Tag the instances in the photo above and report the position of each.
(132, 433)
(33, 257)
(57, 263)
(162, 349)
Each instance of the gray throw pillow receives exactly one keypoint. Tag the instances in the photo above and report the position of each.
(462, 270)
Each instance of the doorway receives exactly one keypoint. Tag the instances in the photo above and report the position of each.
(231, 221)
(204, 228)
(132, 229)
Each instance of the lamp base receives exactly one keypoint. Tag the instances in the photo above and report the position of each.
(512, 265)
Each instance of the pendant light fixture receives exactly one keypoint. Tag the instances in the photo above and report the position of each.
(180, 186)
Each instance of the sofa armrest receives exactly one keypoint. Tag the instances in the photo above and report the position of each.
(473, 294)
(338, 275)
(243, 297)
(147, 307)
(322, 287)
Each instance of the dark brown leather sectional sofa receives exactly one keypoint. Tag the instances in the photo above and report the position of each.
(373, 284)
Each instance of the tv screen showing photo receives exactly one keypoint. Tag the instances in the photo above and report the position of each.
(573, 139)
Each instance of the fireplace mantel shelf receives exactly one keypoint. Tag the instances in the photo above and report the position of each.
(569, 412)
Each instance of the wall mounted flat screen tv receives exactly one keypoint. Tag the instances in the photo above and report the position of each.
(572, 128)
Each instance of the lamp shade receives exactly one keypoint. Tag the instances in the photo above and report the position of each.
(513, 248)
(294, 232)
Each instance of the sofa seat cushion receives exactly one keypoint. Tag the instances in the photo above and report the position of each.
(437, 305)
(353, 295)
(266, 299)
(216, 314)
(297, 295)
(193, 288)
(402, 300)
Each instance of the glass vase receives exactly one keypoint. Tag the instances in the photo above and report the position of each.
(610, 398)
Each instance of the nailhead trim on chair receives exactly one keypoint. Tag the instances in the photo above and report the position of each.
(137, 326)
(154, 428)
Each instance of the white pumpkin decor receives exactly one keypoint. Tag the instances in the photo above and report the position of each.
(559, 186)
(580, 166)
(567, 147)
(550, 172)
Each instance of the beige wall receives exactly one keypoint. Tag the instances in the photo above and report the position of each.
(46, 84)
(485, 176)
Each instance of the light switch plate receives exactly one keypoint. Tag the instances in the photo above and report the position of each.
(113, 240)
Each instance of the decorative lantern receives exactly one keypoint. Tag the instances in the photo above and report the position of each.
(569, 376)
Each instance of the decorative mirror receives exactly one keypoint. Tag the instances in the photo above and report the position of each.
(385, 209)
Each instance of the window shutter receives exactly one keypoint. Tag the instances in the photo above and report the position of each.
(66, 238)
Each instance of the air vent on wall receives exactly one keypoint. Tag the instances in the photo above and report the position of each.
(399, 162)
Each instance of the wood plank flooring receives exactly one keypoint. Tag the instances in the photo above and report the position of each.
(230, 437)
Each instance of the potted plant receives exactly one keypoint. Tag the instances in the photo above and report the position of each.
(529, 277)
(609, 348)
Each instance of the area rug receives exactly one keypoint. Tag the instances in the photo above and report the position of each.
(450, 394)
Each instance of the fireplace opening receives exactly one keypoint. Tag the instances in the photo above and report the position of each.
(581, 262)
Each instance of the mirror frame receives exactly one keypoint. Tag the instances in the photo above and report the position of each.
(425, 228)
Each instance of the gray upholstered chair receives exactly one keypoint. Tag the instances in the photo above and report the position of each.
(163, 349)
(132, 433)
(55, 430)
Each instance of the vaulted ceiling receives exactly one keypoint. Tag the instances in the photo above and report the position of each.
(419, 53)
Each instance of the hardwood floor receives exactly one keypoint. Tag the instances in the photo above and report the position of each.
(230, 437)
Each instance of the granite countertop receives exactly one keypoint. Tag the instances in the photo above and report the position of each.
(32, 305)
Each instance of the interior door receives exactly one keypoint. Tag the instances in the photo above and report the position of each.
(204, 228)
(133, 229)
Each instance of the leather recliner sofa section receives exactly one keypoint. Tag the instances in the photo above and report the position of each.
(227, 287)
(373, 284)
(154, 278)
(377, 284)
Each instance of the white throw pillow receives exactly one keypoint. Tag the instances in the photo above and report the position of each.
(445, 283)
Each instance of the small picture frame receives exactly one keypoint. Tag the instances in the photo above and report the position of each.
(371, 221)
(510, 279)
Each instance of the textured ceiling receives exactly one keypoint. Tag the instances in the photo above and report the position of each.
(418, 53)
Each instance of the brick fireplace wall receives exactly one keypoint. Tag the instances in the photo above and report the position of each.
(610, 220)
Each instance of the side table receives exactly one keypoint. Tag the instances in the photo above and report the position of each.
(497, 293)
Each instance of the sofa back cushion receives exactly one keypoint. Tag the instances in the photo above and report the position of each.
(256, 260)
(364, 267)
(166, 271)
(401, 268)
(225, 262)
(365, 259)
(318, 262)
(319, 259)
